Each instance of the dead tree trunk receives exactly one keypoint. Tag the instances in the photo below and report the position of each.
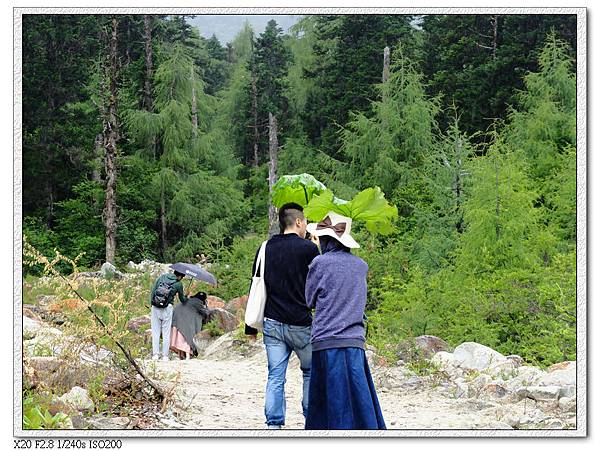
(273, 148)
(148, 100)
(495, 35)
(386, 64)
(111, 136)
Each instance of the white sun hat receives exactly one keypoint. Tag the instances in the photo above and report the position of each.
(335, 226)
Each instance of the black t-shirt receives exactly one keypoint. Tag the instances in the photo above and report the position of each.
(287, 258)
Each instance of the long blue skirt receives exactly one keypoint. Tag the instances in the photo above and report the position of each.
(341, 393)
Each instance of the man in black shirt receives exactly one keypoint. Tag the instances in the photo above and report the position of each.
(288, 320)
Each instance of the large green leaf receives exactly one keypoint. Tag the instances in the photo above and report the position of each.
(298, 188)
(369, 206)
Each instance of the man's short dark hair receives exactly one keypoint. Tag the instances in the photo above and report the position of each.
(179, 274)
(288, 214)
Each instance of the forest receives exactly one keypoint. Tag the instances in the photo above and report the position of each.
(143, 140)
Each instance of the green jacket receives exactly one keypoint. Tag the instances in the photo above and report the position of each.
(171, 279)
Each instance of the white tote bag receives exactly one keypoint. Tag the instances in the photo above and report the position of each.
(255, 308)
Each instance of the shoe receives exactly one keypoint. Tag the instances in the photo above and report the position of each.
(165, 359)
(155, 357)
(273, 426)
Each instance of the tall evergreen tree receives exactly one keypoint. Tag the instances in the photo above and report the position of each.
(346, 67)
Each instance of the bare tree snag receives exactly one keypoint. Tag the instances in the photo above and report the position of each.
(273, 148)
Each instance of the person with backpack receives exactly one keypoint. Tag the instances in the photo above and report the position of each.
(161, 299)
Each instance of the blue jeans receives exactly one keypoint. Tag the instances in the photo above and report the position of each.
(280, 340)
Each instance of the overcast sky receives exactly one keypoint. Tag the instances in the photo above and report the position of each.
(227, 27)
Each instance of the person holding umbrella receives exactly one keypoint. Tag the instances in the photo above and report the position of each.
(161, 299)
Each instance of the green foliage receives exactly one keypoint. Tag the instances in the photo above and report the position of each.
(298, 188)
(368, 206)
(37, 416)
(472, 139)
(233, 268)
(212, 327)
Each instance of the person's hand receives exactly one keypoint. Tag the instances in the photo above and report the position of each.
(315, 239)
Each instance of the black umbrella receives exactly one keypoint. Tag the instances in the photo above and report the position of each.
(195, 272)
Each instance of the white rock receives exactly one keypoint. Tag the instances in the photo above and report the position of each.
(78, 398)
(108, 269)
(30, 327)
(559, 377)
(555, 423)
(567, 404)
(567, 391)
(525, 376)
(540, 393)
(109, 423)
(504, 369)
(474, 356)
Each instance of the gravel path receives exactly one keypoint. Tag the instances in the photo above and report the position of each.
(229, 394)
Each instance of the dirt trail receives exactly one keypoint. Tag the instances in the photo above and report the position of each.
(229, 394)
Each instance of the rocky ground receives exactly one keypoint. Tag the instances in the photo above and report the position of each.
(225, 390)
(469, 387)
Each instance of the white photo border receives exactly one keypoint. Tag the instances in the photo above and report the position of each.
(582, 366)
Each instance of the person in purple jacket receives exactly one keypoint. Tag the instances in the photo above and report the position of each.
(341, 392)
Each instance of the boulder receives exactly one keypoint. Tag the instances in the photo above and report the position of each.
(95, 354)
(567, 391)
(202, 340)
(540, 393)
(30, 327)
(225, 320)
(47, 341)
(445, 360)
(558, 376)
(429, 345)
(214, 302)
(424, 346)
(567, 404)
(79, 399)
(218, 346)
(396, 377)
(504, 368)
(29, 311)
(237, 305)
(474, 356)
(100, 422)
(137, 324)
(109, 271)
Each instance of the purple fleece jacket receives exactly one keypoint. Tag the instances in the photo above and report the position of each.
(336, 287)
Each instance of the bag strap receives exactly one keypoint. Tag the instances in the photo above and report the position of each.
(260, 261)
